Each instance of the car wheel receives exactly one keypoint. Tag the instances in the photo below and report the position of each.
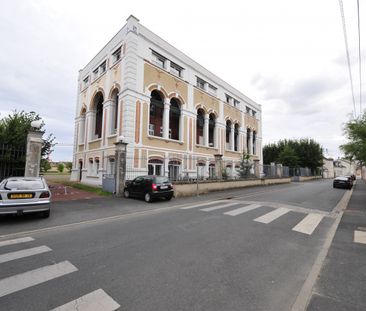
(45, 214)
(126, 194)
(169, 198)
(147, 197)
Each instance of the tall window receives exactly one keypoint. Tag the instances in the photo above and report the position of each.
(236, 137)
(248, 141)
(115, 111)
(228, 131)
(174, 167)
(211, 130)
(98, 106)
(254, 142)
(156, 114)
(174, 118)
(199, 126)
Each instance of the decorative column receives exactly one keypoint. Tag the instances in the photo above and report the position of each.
(120, 158)
(232, 137)
(166, 118)
(205, 130)
(33, 157)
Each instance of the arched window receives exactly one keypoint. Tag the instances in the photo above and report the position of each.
(156, 114)
(98, 107)
(211, 130)
(174, 119)
(211, 170)
(236, 137)
(199, 126)
(155, 167)
(254, 142)
(248, 141)
(114, 118)
(174, 168)
(228, 132)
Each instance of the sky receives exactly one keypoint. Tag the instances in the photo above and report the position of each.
(287, 55)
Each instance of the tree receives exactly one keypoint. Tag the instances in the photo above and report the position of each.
(288, 157)
(308, 152)
(69, 166)
(14, 129)
(355, 131)
(45, 165)
(245, 165)
(60, 167)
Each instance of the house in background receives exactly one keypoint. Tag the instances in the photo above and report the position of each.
(344, 167)
(174, 114)
(328, 167)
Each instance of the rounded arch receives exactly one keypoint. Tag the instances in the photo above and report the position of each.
(154, 86)
(213, 112)
(98, 96)
(227, 118)
(172, 95)
(201, 106)
(115, 88)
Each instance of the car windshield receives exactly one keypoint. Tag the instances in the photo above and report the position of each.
(24, 184)
(161, 180)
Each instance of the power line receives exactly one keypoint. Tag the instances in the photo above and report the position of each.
(347, 54)
(359, 53)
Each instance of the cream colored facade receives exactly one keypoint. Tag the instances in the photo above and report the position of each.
(174, 114)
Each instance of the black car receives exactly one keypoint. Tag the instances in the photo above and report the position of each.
(343, 182)
(149, 187)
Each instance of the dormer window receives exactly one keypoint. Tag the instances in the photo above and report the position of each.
(158, 59)
(201, 83)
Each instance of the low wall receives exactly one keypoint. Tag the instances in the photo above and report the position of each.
(305, 178)
(184, 190)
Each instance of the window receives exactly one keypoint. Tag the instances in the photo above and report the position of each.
(254, 113)
(96, 166)
(98, 108)
(116, 55)
(201, 83)
(236, 103)
(174, 118)
(174, 167)
(90, 167)
(236, 137)
(103, 67)
(211, 171)
(111, 166)
(175, 69)
(228, 98)
(199, 126)
(247, 109)
(158, 59)
(155, 167)
(156, 114)
(86, 81)
(212, 90)
(228, 134)
(211, 130)
(95, 73)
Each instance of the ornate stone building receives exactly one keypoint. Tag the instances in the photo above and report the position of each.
(174, 114)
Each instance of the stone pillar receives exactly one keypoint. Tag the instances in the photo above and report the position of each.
(218, 165)
(206, 130)
(166, 118)
(120, 158)
(232, 137)
(33, 156)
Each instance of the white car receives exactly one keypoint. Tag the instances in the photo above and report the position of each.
(23, 195)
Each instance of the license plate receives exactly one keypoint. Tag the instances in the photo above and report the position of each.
(163, 187)
(21, 196)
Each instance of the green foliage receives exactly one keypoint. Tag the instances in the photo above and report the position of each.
(355, 131)
(61, 167)
(69, 166)
(14, 129)
(245, 165)
(308, 152)
(45, 165)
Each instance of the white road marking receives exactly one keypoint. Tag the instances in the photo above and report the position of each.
(308, 224)
(213, 208)
(24, 253)
(242, 210)
(34, 277)
(94, 301)
(16, 241)
(359, 237)
(271, 216)
(203, 204)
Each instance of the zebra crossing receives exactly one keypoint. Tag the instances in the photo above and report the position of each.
(96, 300)
(306, 226)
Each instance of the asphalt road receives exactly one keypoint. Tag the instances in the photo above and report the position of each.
(249, 249)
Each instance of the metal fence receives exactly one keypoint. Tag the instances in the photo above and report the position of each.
(190, 169)
(12, 161)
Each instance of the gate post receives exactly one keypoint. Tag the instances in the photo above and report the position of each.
(218, 166)
(121, 150)
(33, 156)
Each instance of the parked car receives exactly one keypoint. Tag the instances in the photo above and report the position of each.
(23, 195)
(343, 182)
(149, 187)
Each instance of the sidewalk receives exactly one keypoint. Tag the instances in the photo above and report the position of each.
(341, 284)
